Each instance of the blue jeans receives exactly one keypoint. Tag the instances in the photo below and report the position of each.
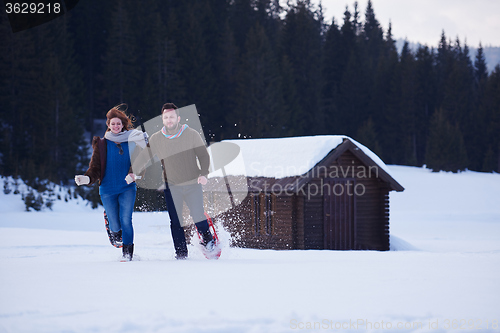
(175, 196)
(119, 208)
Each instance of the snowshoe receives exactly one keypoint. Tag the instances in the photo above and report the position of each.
(115, 238)
(210, 246)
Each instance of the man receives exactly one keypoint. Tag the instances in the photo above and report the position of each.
(181, 148)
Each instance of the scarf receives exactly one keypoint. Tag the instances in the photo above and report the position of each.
(127, 136)
(176, 135)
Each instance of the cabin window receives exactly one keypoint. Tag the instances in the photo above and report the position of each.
(256, 213)
(263, 213)
(269, 213)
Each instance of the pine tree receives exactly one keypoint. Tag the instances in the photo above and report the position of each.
(372, 36)
(230, 67)
(301, 43)
(121, 73)
(399, 122)
(445, 146)
(377, 56)
(425, 97)
(341, 79)
(332, 70)
(291, 103)
(477, 119)
(44, 98)
(480, 67)
(368, 135)
(198, 66)
(260, 98)
(241, 18)
(19, 73)
(89, 24)
(58, 140)
(492, 105)
(443, 66)
(158, 63)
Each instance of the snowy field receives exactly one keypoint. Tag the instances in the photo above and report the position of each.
(58, 272)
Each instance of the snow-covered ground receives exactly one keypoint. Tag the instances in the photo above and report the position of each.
(58, 272)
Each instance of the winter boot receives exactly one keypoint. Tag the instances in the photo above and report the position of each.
(208, 240)
(181, 255)
(128, 252)
(117, 238)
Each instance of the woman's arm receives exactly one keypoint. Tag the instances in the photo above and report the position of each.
(94, 170)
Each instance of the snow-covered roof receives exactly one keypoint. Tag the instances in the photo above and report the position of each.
(289, 157)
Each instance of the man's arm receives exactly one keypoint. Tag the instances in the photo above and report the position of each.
(201, 153)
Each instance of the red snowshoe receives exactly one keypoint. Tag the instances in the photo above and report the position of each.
(210, 248)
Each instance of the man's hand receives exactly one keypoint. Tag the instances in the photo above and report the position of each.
(202, 180)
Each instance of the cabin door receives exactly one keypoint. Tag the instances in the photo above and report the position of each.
(339, 214)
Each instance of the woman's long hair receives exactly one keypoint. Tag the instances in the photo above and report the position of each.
(119, 112)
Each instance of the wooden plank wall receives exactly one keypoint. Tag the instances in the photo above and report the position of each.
(371, 223)
(313, 216)
(241, 223)
(372, 220)
(298, 222)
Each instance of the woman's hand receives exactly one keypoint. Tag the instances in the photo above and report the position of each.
(131, 178)
(82, 180)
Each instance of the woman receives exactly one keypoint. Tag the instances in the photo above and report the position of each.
(110, 165)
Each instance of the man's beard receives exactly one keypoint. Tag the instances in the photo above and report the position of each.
(172, 126)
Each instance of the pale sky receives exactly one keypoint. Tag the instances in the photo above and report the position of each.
(423, 20)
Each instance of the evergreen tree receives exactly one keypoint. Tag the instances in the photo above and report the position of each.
(350, 93)
(301, 43)
(58, 140)
(259, 93)
(385, 101)
(372, 37)
(241, 18)
(459, 100)
(160, 76)
(377, 57)
(399, 122)
(332, 70)
(425, 98)
(445, 146)
(477, 120)
(121, 73)
(43, 135)
(491, 138)
(480, 67)
(290, 98)
(443, 67)
(20, 70)
(198, 66)
(230, 66)
(369, 136)
(89, 24)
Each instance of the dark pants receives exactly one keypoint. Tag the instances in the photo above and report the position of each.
(175, 196)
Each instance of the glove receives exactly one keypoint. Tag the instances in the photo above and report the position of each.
(82, 180)
(131, 178)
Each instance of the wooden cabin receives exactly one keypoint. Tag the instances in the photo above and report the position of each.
(320, 192)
